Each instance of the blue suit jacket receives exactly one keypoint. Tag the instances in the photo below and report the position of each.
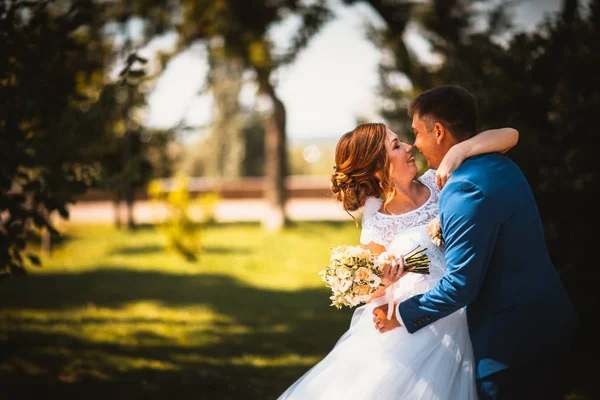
(498, 267)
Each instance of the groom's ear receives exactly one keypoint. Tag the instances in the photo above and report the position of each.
(439, 132)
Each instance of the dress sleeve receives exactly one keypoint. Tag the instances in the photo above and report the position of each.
(370, 232)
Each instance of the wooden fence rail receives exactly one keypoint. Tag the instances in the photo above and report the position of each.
(244, 188)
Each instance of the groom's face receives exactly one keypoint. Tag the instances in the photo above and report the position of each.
(425, 140)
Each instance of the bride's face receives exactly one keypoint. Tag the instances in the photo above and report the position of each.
(401, 157)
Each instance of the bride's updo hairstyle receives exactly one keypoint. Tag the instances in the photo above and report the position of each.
(359, 155)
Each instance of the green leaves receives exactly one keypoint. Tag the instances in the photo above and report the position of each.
(52, 68)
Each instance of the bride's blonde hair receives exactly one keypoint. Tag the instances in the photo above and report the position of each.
(360, 156)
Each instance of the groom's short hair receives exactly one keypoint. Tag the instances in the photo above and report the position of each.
(452, 106)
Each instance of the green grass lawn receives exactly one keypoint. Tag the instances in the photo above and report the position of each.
(111, 314)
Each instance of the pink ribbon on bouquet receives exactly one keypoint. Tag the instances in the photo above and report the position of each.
(392, 288)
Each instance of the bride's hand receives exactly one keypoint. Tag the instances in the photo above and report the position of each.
(392, 268)
(451, 161)
(377, 294)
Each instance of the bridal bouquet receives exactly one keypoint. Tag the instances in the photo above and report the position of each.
(354, 273)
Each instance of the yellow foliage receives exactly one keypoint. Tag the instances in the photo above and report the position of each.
(179, 196)
(208, 203)
(182, 233)
(155, 189)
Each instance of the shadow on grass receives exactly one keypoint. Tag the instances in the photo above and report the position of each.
(136, 250)
(140, 227)
(257, 324)
(224, 250)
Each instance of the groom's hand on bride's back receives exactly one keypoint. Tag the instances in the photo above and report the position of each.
(382, 324)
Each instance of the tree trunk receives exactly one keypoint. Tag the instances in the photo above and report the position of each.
(276, 165)
(130, 205)
(130, 202)
(117, 208)
(128, 187)
(224, 159)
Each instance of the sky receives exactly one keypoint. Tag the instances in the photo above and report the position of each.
(331, 83)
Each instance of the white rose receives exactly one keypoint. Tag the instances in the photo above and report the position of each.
(345, 285)
(343, 272)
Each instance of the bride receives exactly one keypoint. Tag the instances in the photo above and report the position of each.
(376, 171)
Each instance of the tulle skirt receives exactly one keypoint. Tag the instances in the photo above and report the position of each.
(435, 362)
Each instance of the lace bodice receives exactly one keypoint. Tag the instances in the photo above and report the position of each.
(383, 228)
(400, 234)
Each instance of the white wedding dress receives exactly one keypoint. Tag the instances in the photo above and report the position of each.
(435, 362)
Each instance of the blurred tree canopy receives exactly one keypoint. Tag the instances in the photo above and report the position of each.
(52, 137)
(65, 124)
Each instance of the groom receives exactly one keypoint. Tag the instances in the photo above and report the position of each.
(519, 315)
